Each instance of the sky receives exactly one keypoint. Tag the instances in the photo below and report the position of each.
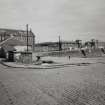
(48, 19)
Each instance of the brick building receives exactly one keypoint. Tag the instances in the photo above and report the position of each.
(20, 35)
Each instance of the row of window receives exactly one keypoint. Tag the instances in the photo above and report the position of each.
(24, 38)
(17, 37)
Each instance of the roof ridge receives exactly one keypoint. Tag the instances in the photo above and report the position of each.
(12, 29)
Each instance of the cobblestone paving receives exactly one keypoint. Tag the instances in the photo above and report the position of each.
(74, 85)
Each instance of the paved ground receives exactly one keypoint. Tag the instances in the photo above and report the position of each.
(58, 62)
(73, 85)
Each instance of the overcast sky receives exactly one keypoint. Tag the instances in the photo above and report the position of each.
(71, 19)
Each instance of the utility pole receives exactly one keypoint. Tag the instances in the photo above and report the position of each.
(1, 38)
(27, 36)
(33, 40)
(60, 45)
(4, 35)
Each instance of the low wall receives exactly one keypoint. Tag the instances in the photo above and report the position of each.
(78, 53)
(24, 57)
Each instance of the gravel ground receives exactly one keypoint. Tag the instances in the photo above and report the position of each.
(73, 85)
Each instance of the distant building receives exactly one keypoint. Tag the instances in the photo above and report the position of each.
(101, 44)
(94, 44)
(54, 46)
(19, 35)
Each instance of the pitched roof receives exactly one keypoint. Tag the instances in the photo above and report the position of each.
(16, 32)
